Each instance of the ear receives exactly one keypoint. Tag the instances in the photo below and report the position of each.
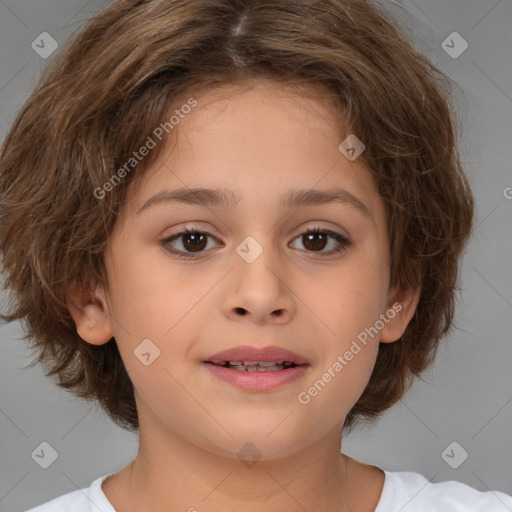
(403, 303)
(89, 311)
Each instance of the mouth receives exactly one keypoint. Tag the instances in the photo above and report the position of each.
(252, 359)
(257, 369)
(256, 366)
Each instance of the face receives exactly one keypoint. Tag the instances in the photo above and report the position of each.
(249, 273)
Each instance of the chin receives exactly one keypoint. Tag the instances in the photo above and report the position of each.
(250, 449)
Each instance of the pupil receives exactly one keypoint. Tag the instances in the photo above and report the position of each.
(196, 237)
(312, 235)
(197, 241)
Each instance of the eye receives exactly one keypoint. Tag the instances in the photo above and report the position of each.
(195, 241)
(192, 240)
(316, 239)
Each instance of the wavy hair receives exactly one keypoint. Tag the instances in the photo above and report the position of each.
(113, 82)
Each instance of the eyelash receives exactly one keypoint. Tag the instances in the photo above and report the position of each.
(343, 241)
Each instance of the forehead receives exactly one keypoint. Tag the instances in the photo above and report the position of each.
(296, 95)
(258, 142)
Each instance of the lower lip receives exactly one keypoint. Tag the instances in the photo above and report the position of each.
(257, 381)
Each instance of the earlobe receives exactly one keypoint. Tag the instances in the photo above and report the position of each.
(89, 313)
(399, 313)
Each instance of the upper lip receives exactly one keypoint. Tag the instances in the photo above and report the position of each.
(248, 353)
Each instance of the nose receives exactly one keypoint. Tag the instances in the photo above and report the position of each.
(260, 291)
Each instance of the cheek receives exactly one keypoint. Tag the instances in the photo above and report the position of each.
(350, 300)
(157, 302)
(349, 309)
(332, 391)
(148, 296)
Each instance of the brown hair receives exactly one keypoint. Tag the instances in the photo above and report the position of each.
(100, 99)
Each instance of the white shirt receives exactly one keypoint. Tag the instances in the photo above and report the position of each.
(403, 491)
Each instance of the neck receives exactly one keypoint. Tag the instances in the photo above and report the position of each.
(178, 475)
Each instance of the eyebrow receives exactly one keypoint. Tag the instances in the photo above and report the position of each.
(228, 199)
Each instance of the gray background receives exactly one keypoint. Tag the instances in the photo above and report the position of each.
(465, 397)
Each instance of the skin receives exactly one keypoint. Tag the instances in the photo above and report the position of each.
(259, 140)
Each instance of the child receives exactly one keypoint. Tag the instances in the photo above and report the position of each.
(309, 152)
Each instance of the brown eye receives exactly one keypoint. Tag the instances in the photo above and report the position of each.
(316, 239)
(192, 241)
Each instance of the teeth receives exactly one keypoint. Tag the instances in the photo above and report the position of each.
(260, 363)
(257, 366)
